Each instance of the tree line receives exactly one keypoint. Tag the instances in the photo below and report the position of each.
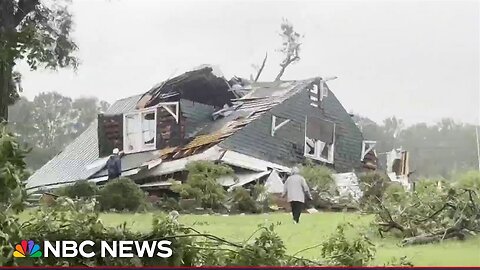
(38, 33)
(50, 122)
(436, 150)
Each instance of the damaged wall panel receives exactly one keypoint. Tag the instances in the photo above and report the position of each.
(199, 86)
(169, 132)
(110, 133)
(287, 146)
(319, 138)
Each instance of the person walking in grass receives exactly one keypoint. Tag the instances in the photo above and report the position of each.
(296, 189)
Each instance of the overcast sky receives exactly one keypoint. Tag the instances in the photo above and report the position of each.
(418, 60)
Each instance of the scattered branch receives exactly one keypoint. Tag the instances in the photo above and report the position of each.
(261, 67)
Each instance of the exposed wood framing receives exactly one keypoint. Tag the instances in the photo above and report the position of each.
(175, 111)
(367, 146)
(275, 127)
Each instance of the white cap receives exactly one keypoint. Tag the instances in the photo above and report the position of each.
(116, 151)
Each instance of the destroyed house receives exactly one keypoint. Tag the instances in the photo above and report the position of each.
(260, 129)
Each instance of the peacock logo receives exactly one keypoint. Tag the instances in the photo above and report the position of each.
(27, 249)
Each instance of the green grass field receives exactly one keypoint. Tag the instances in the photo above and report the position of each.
(312, 230)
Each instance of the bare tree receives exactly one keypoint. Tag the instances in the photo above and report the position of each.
(290, 46)
(259, 70)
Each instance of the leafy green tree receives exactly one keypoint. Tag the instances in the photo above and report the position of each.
(85, 111)
(373, 186)
(81, 189)
(121, 194)
(50, 122)
(202, 183)
(243, 201)
(341, 250)
(12, 172)
(319, 178)
(469, 180)
(53, 119)
(12, 194)
(35, 31)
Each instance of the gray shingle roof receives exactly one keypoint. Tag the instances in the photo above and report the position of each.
(289, 100)
(198, 116)
(70, 164)
(286, 147)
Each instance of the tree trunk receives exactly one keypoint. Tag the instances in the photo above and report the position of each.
(7, 33)
(433, 238)
(5, 77)
(261, 68)
(280, 74)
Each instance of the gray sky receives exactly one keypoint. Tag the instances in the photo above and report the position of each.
(418, 60)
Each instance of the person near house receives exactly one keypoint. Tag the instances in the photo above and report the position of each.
(114, 165)
(296, 189)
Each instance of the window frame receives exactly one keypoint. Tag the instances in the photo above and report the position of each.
(366, 150)
(144, 147)
(331, 148)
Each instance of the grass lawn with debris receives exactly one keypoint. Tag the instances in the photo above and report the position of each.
(312, 230)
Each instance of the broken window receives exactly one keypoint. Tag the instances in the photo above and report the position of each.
(319, 139)
(148, 128)
(139, 131)
(368, 146)
(397, 162)
(317, 93)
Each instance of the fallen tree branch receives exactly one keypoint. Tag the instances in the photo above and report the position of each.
(435, 237)
(261, 68)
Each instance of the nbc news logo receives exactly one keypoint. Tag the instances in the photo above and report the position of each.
(115, 249)
(27, 249)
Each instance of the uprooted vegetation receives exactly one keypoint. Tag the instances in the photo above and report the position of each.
(203, 188)
(324, 189)
(202, 185)
(79, 220)
(451, 209)
(434, 211)
(120, 194)
(67, 219)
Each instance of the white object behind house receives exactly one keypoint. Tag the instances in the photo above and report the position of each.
(402, 179)
(347, 184)
(250, 163)
(246, 178)
(274, 183)
(391, 157)
(226, 181)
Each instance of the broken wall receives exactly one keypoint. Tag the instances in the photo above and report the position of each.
(198, 86)
(286, 147)
(110, 133)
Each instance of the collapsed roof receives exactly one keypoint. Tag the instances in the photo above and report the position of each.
(212, 110)
(200, 85)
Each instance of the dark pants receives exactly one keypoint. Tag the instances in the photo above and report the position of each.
(297, 208)
(113, 176)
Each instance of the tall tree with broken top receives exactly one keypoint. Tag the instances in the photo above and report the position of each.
(290, 47)
(36, 31)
